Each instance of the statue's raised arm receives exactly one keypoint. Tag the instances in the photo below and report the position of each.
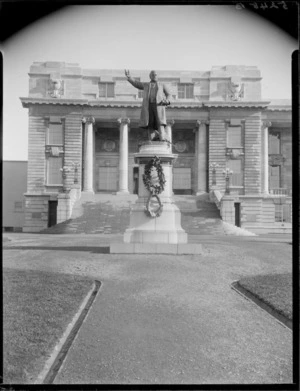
(135, 83)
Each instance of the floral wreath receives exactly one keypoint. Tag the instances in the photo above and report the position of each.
(154, 190)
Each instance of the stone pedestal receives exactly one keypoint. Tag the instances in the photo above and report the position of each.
(163, 229)
(162, 234)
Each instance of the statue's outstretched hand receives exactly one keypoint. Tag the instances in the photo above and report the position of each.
(127, 74)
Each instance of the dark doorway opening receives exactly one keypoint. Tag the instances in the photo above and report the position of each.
(52, 213)
(237, 209)
(135, 180)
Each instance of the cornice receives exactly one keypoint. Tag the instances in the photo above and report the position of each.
(98, 103)
(279, 108)
(26, 102)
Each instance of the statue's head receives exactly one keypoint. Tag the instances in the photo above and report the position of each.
(153, 76)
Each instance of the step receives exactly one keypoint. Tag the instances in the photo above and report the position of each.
(108, 213)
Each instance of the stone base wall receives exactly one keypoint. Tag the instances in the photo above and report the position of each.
(36, 213)
(227, 209)
(257, 213)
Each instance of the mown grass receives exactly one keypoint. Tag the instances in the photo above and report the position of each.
(273, 289)
(37, 308)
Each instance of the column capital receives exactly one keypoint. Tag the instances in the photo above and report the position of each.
(266, 124)
(200, 122)
(170, 122)
(123, 121)
(88, 120)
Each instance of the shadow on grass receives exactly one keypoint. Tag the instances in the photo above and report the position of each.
(94, 250)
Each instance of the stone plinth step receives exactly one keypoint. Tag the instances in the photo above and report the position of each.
(155, 248)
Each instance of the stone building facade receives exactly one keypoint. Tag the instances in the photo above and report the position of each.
(83, 133)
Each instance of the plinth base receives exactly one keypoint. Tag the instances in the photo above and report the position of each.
(155, 248)
(164, 229)
(148, 234)
(122, 192)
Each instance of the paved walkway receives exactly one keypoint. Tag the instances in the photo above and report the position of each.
(168, 319)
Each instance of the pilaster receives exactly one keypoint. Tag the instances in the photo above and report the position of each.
(265, 157)
(73, 148)
(217, 150)
(253, 155)
(36, 153)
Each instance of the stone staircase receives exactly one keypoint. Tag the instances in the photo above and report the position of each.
(97, 214)
(109, 214)
(199, 216)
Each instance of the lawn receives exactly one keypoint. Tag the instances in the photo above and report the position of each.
(273, 289)
(37, 308)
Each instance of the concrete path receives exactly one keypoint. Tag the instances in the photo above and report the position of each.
(168, 319)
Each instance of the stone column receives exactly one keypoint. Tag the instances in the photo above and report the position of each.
(123, 162)
(201, 151)
(88, 159)
(168, 132)
(265, 156)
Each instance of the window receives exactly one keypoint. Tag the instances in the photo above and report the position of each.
(54, 175)
(234, 137)
(274, 177)
(185, 91)
(140, 93)
(274, 143)
(237, 178)
(55, 134)
(283, 213)
(54, 151)
(106, 90)
(181, 178)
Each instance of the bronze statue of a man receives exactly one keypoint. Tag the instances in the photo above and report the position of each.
(153, 115)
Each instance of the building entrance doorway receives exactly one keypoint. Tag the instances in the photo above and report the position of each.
(182, 180)
(107, 179)
(237, 210)
(135, 180)
(52, 213)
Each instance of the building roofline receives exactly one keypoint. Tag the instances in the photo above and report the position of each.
(14, 161)
(26, 102)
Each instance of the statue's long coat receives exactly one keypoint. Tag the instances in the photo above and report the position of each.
(162, 93)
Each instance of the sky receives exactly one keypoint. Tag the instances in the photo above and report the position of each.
(141, 37)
